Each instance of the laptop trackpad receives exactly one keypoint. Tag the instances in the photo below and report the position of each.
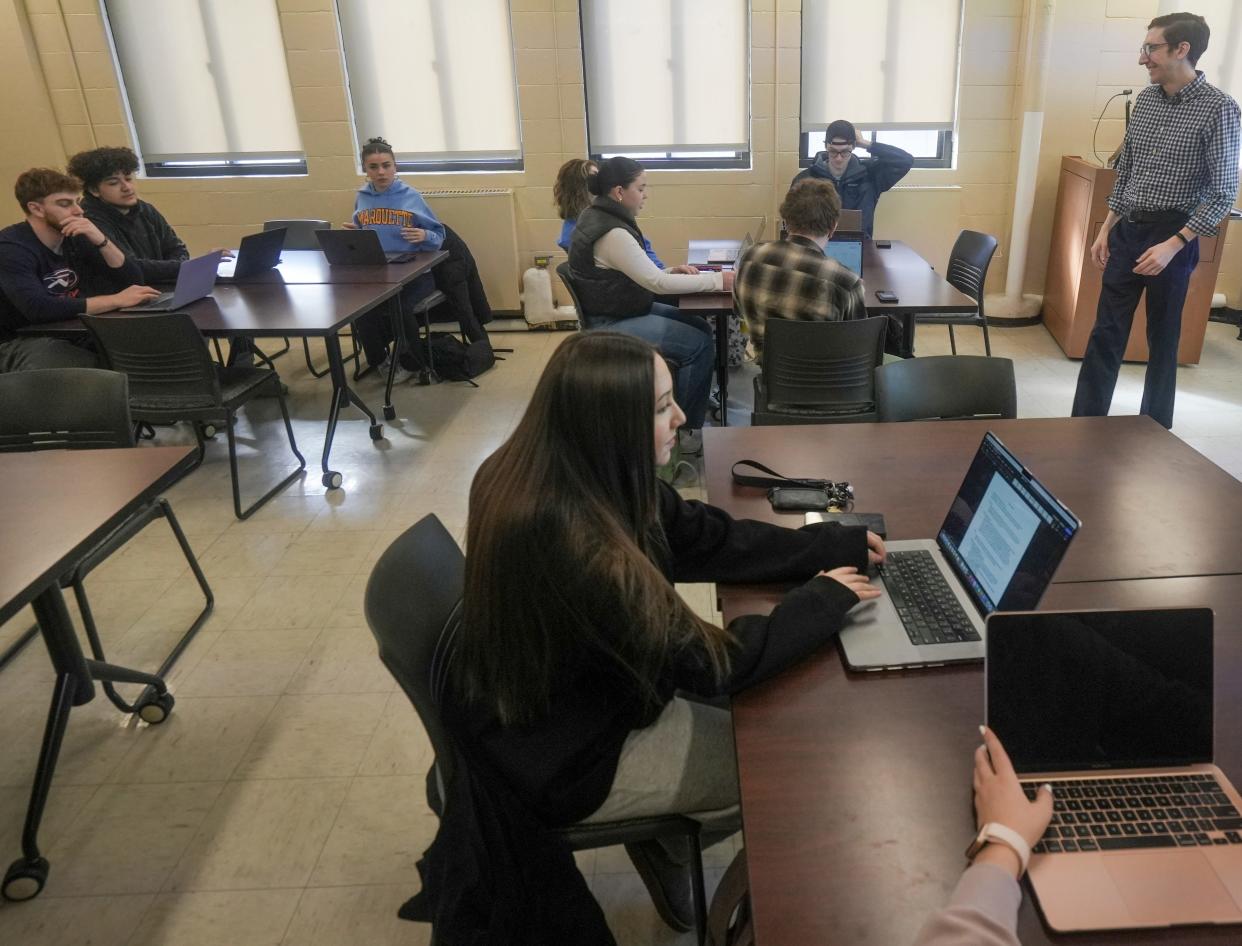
(1171, 887)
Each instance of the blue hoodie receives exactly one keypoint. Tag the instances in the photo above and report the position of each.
(386, 212)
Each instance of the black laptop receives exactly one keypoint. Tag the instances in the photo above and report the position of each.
(357, 248)
(258, 253)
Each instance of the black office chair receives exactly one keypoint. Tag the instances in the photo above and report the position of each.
(84, 409)
(967, 272)
(948, 387)
(172, 378)
(567, 277)
(819, 372)
(413, 607)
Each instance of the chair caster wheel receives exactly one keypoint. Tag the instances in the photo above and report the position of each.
(24, 879)
(377, 431)
(332, 479)
(210, 431)
(424, 377)
(153, 708)
(390, 412)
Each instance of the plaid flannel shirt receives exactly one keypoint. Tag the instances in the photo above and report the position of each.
(1180, 153)
(793, 279)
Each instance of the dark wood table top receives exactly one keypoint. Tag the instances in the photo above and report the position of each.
(269, 311)
(58, 503)
(1151, 506)
(855, 787)
(308, 267)
(898, 269)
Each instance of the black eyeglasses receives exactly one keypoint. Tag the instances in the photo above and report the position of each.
(1148, 48)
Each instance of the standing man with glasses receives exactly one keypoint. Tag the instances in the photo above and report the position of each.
(1177, 178)
(859, 181)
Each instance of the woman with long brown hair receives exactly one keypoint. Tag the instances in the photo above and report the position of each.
(574, 643)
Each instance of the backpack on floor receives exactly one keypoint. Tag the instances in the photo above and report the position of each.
(456, 361)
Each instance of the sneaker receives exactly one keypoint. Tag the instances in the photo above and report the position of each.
(400, 376)
(667, 881)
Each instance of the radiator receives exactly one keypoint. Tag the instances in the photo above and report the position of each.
(485, 219)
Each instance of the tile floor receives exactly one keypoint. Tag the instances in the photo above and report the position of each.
(282, 802)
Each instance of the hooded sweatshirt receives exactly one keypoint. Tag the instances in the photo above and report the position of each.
(37, 285)
(143, 235)
(386, 212)
(864, 179)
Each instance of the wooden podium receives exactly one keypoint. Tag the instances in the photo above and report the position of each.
(1072, 288)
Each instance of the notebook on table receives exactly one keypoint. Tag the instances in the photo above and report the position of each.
(1000, 544)
(195, 279)
(1115, 710)
(357, 248)
(258, 253)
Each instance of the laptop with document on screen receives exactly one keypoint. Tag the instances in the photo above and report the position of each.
(1114, 709)
(1002, 540)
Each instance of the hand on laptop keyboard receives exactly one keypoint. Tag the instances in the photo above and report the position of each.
(999, 799)
(855, 581)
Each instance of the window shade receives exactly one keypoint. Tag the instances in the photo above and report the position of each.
(880, 65)
(433, 77)
(206, 80)
(666, 75)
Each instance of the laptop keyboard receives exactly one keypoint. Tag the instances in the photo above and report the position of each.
(1114, 814)
(926, 604)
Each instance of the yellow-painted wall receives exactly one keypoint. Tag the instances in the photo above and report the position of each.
(60, 95)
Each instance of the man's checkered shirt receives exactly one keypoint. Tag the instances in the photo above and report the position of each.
(1180, 153)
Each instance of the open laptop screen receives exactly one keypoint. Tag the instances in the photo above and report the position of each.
(1005, 534)
(848, 253)
(1101, 689)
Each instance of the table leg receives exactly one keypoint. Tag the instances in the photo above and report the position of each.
(908, 322)
(342, 396)
(722, 364)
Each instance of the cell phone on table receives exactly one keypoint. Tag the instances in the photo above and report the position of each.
(886, 295)
(883, 244)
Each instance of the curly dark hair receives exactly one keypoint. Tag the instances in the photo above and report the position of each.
(37, 183)
(91, 167)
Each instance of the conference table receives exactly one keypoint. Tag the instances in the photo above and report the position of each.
(855, 787)
(62, 503)
(897, 268)
(303, 298)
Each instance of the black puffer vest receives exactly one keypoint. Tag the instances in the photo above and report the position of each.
(605, 293)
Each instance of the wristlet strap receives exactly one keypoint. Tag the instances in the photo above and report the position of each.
(775, 479)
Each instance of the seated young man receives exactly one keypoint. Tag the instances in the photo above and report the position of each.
(111, 202)
(792, 278)
(54, 266)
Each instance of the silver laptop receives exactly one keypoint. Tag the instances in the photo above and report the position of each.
(722, 255)
(1000, 544)
(1115, 709)
(357, 248)
(258, 253)
(195, 279)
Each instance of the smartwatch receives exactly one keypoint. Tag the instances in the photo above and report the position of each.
(992, 831)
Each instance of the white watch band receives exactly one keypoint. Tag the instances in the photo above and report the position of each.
(992, 831)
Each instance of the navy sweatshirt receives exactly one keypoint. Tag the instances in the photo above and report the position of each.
(37, 285)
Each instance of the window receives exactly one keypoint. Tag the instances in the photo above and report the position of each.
(930, 148)
(889, 68)
(667, 81)
(436, 79)
(189, 74)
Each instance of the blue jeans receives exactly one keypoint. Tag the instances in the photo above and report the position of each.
(686, 343)
(1119, 295)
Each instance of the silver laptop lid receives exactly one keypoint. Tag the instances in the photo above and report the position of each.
(195, 278)
(1072, 691)
(1005, 534)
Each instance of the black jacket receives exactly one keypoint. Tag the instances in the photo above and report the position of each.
(37, 285)
(492, 867)
(865, 179)
(143, 234)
